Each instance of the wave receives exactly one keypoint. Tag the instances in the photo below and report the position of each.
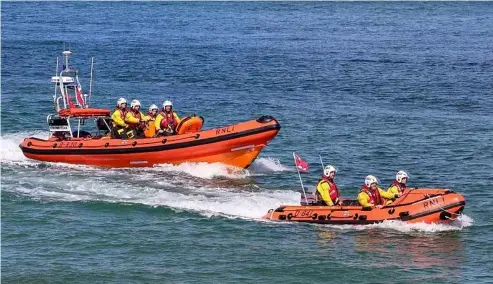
(204, 170)
(207, 201)
(228, 202)
(268, 165)
(208, 189)
(9, 145)
(461, 222)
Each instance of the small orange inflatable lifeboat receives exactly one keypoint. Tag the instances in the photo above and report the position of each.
(415, 205)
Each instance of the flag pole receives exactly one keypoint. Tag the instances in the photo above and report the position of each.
(321, 162)
(299, 175)
(90, 82)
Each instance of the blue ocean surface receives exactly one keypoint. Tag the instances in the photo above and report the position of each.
(373, 87)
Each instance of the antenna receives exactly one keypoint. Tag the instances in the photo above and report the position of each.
(54, 96)
(66, 54)
(90, 82)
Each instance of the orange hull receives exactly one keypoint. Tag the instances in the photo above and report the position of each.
(415, 205)
(236, 145)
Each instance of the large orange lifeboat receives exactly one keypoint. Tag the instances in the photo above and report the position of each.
(415, 205)
(236, 145)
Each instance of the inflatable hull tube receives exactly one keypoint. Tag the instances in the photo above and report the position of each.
(414, 206)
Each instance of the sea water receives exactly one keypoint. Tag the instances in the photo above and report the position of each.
(372, 87)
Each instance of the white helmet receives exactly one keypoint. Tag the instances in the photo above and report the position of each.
(328, 169)
(167, 103)
(121, 101)
(370, 179)
(134, 103)
(400, 175)
(153, 107)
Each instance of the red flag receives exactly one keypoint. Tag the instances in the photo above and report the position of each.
(69, 101)
(301, 165)
(78, 96)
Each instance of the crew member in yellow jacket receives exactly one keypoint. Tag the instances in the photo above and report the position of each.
(167, 120)
(372, 195)
(118, 118)
(119, 113)
(327, 191)
(136, 120)
(399, 184)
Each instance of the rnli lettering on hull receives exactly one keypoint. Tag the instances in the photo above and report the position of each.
(434, 201)
(225, 130)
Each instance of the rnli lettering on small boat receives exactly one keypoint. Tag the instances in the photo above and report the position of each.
(225, 130)
(434, 201)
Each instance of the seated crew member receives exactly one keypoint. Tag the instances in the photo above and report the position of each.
(150, 129)
(136, 120)
(118, 118)
(153, 112)
(371, 195)
(167, 120)
(327, 191)
(399, 184)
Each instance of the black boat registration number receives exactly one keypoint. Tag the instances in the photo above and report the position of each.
(68, 144)
(303, 213)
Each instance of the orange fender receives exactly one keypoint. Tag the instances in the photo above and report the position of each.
(150, 130)
(190, 124)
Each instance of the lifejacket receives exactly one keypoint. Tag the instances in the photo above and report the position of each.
(152, 116)
(333, 191)
(375, 198)
(168, 120)
(123, 112)
(136, 115)
(399, 185)
(150, 129)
